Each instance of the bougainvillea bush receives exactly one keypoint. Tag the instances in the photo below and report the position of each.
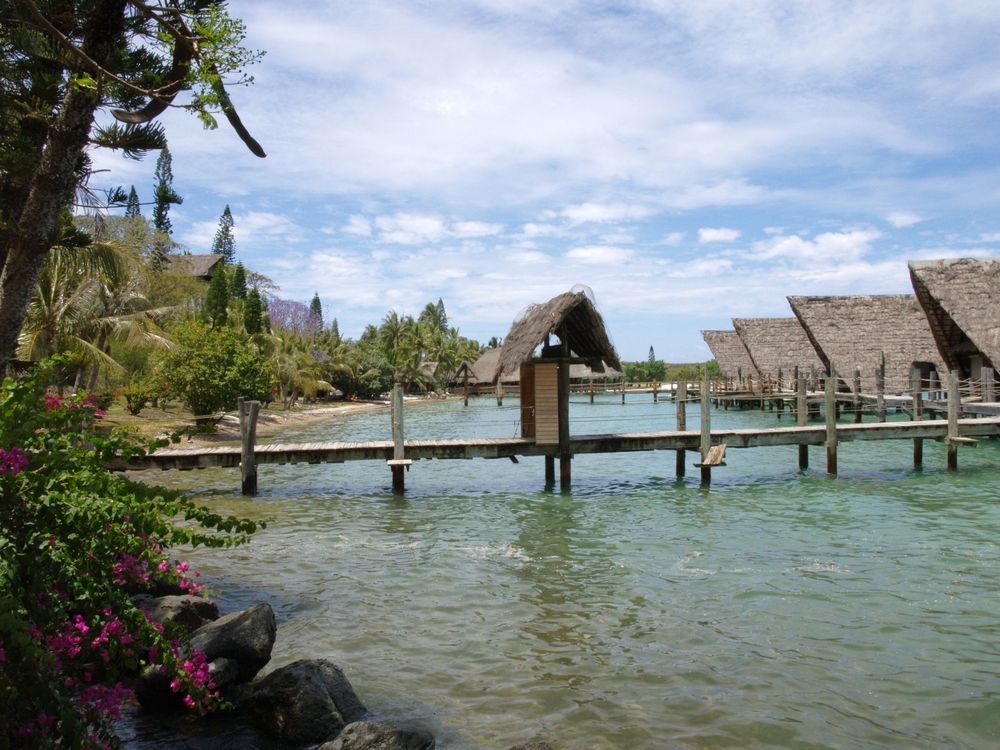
(75, 540)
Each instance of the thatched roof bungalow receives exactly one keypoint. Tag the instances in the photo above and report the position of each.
(482, 371)
(728, 349)
(961, 299)
(777, 344)
(199, 266)
(584, 372)
(854, 332)
(572, 317)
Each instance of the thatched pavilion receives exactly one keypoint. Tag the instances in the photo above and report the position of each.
(728, 349)
(777, 344)
(961, 299)
(581, 339)
(854, 332)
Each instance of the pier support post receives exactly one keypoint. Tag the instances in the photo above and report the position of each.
(550, 471)
(565, 457)
(989, 387)
(706, 432)
(880, 388)
(499, 393)
(591, 391)
(954, 406)
(802, 416)
(680, 397)
(918, 414)
(623, 390)
(831, 421)
(249, 411)
(399, 462)
(465, 386)
(857, 395)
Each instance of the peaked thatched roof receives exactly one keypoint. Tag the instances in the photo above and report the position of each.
(855, 331)
(777, 344)
(200, 266)
(728, 349)
(482, 371)
(574, 318)
(961, 299)
(583, 372)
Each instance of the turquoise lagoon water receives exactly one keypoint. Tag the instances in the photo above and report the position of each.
(775, 609)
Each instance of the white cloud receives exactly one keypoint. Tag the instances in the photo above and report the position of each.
(599, 254)
(358, 225)
(672, 239)
(410, 229)
(903, 219)
(605, 212)
(475, 229)
(990, 237)
(828, 248)
(720, 234)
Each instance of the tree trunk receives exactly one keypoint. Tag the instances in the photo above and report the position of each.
(53, 184)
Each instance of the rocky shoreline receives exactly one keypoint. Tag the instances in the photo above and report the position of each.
(308, 703)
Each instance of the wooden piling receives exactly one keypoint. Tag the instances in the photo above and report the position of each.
(249, 411)
(954, 406)
(680, 397)
(591, 391)
(623, 390)
(656, 391)
(706, 432)
(989, 384)
(802, 414)
(565, 457)
(399, 462)
(831, 421)
(465, 385)
(550, 471)
(880, 388)
(857, 395)
(499, 393)
(918, 413)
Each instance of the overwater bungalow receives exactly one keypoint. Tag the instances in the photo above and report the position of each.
(777, 345)
(857, 331)
(731, 354)
(961, 298)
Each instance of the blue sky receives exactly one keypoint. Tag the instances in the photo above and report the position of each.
(688, 161)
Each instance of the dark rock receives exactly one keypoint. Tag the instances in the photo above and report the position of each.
(306, 701)
(533, 745)
(246, 636)
(367, 735)
(190, 612)
(153, 691)
(224, 672)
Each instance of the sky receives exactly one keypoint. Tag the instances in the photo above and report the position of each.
(689, 162)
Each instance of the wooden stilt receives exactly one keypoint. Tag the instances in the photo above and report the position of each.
(565, 457)
(831, 421)
(249, 411)
(989, 384)
(656, 391)
(706, 432)
(954, 405)
(680, 396)
(857, 395)
(591, 391)
(398, 463)
(465, 385)
(499, 393)
(918, 414)
(880, 388)
(550, 470)
(802, 417)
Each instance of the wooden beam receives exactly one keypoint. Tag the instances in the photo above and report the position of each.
(954, 406)
(802, 416)
(916, 385)
(681, 402)
(831, 421)
(249, 411)
(706, 431)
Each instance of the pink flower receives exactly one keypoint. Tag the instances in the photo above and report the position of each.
(189, 701)
(13, 460)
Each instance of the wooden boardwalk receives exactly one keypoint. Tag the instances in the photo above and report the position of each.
(689, 440)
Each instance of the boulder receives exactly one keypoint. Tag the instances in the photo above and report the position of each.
(153, 692)
(247, 637)
(306, 701)
(368, 735)
(190, 612)
(224, 672)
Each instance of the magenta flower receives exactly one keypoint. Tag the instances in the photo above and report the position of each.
(13, 460)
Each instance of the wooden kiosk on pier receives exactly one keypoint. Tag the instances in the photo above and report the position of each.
(570, 331)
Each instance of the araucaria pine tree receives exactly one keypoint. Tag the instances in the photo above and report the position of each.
(216, 306)
(253, 313)
(238, 287)
(163, 193)
(224, 244)
(316, 310)
(132, 209)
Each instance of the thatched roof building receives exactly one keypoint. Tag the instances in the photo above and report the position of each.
(854, 332)
(777, 344)
(199, 266)
(728, 349)
(583, 372)
(961, 299)
(482, 371)
(572, 317)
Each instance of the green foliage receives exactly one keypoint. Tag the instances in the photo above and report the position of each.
(75, 540)
(163, 192)
(238, 285)
(211, 368)
(132, 208)
(216, 308)
(224, 243)
(316, 310)
(137, 394)
(253, 313)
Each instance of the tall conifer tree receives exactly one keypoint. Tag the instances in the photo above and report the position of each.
(132, 209)
(316, 310)
(216, 307)
(224, 243)
(253, 313)
(239, 286)
(163, 192)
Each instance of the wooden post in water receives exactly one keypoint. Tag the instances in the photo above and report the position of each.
(656, 388)
(591, 391)
(499, 393)
(399, 462)
(831, 421)
(918, 414)
(681, 401)
(465, 385)
(802, 416)
(706, 431)
(249, 410)
(565, 457)
(623, 389)
(989, 386)
(954, 406)
(880, 388)
(857, 395)
(932, 386)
